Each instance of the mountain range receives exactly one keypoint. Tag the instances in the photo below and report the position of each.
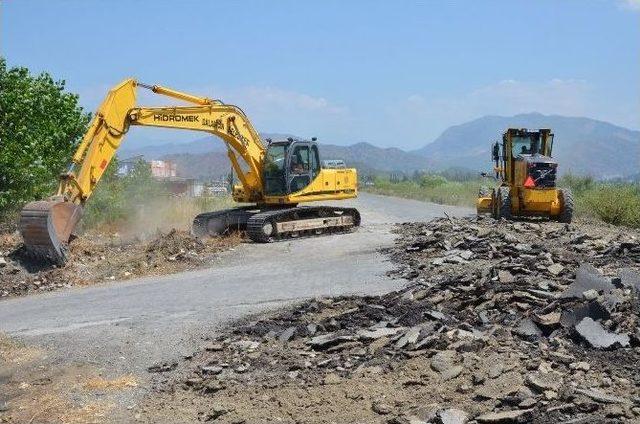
(582, 146)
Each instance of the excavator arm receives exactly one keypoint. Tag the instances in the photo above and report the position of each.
(227, 122)
(47, 225)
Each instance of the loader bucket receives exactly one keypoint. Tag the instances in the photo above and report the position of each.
(483, 205)
(46, 227)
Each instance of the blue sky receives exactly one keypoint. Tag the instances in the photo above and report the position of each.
(390, 73)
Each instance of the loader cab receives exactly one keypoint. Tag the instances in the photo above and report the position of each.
(527, 153)
(290, 166)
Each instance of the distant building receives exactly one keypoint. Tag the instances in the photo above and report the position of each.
(334, 164)
(164, 169)
(125, 166)
(166, 172)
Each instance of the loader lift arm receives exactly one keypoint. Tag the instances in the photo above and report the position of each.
(47, 225)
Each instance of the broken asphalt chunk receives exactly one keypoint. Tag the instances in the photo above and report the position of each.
(504, 416)
(629, 278)
(287, 334)
(587, 278)
(593, 310)
(527, 329)
(327, 340)
(597, 336)
(452, 416)
(377, 333)
(600, 396)
(163, 367)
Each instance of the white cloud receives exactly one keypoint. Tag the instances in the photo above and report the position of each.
(507, 97)
(274, 109)
(563, 97)
(270, 97)
(271, 109)
(419, 118)
(630, 4)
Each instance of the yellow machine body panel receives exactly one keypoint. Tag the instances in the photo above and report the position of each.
(107, 129)
(483, 205)
(342, 183)
(543, 201)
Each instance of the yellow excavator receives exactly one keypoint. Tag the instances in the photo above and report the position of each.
(274, 177)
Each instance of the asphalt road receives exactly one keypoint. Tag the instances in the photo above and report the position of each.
(127, 326)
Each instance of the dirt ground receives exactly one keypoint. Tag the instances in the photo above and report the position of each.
(501, 322)
(35, 391)
(100, 257)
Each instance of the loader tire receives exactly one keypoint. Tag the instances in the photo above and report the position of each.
(494, 204)
(484, 192)
(566, 205)
(504, 203)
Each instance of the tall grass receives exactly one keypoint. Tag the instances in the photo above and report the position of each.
(434, 188)
(616, 203)
(613, 203)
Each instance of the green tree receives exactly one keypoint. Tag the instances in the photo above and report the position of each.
(40, 125)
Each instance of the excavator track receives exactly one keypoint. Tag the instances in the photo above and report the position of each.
(277, 224)
(211, 224)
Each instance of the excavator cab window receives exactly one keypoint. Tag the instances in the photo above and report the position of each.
(315, 162)
(274, 170)
(299, 167)
(290, 167)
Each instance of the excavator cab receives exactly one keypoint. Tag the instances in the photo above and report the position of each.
(290, 166)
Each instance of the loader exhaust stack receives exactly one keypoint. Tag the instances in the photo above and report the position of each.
(46, 227)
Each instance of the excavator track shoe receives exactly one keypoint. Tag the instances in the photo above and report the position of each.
(273, 225)
(46, 226)
(212, 224)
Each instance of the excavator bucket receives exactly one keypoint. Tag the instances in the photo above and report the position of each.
(46, 227)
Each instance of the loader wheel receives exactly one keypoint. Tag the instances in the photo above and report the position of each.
(566, 204)
(484, 192)
(504, 203)
(494, 204)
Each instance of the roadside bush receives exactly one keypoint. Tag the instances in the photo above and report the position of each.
(576, 183)
(432, 181)
(137, 204)
(118, 199)
(614, 204)
(107, 203)
(432, 188)
(617, 204)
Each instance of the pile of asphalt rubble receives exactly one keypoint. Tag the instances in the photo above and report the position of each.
(554, 307)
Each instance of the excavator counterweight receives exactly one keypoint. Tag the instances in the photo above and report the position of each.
(274, 178)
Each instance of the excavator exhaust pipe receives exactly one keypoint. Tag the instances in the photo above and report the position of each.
(46, 227)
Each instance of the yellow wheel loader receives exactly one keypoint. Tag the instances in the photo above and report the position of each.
(526, 173)
(274, 176)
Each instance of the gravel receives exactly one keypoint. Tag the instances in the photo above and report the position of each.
(502, 333)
